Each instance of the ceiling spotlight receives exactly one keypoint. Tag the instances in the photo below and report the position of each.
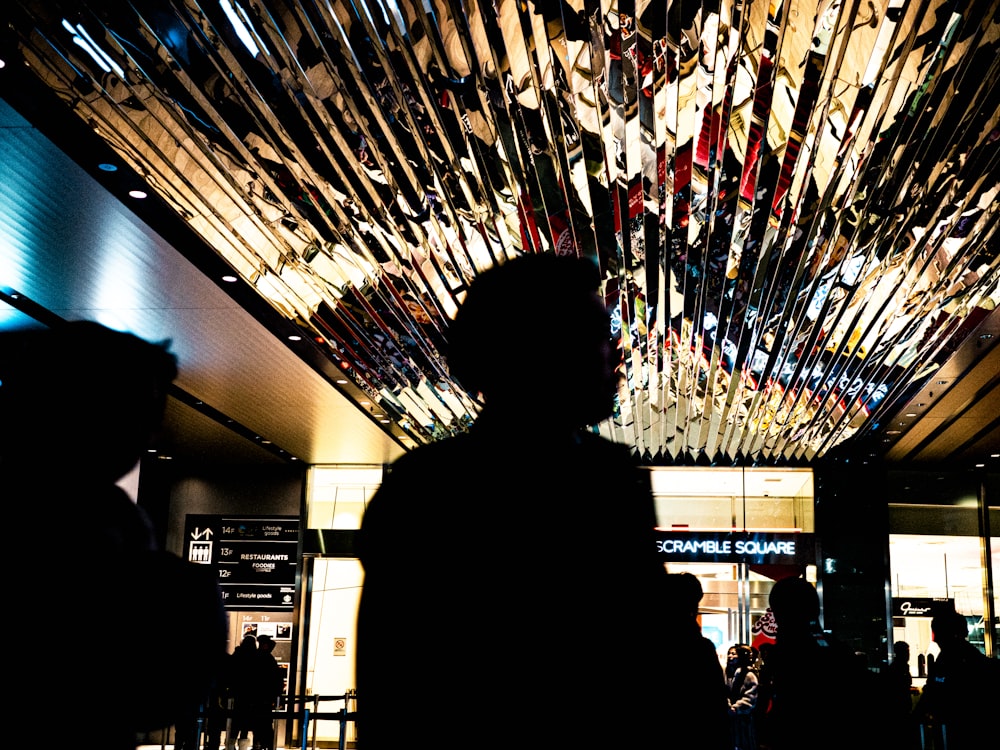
(295, 337)
(229, 278)
(139, 194)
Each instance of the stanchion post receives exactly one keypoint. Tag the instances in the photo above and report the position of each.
(315, 724)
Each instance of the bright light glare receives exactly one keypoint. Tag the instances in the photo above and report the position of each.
(239, 27)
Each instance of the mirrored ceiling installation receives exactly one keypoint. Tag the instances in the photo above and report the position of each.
(794, 204)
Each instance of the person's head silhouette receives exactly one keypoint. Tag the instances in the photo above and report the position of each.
(949, 627)
(685, 593)
(794, 603)
(265, 643)
(534, 328)
(97, 393)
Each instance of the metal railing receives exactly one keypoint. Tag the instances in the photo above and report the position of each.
(303, 709)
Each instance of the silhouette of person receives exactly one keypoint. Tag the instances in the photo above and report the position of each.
(216, 712)
(241, 672)
(510, 571)
(697, 689)
(897, 682)
(764, 685)
(741, 680)
(962, 687)
(80, 403)
(267, 683)
(821, 696)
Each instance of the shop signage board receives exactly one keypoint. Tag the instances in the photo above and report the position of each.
(917, 606)
(255, 557)
(758, 548)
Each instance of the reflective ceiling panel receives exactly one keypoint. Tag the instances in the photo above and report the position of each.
(793, 204)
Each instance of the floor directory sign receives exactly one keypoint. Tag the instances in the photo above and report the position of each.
(255, 557)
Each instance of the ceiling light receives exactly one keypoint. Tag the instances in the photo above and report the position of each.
(107, 167)
(295, 337)
(140, 194)
(229, 278)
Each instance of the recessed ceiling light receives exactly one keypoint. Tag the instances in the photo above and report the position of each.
(107, 167)
(911, 414)
(229, 278)
(295, 337)
(140, 194)
(341, 381)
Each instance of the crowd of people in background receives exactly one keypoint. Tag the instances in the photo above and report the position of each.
(596, 650)
(241, 704)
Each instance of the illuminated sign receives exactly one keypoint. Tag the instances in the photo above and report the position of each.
(916, 606)
(255, 557)
(748, 547)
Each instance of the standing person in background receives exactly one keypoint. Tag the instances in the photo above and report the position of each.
(897, 683)
(241, 677)
(512, 568)
(764, 690)
(268, 684)
(821, 696)
(962, 688)
(696, 700)
(80, 403)
(741, 680)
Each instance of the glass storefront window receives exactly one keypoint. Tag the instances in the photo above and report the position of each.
(726, 502)
(338, 495)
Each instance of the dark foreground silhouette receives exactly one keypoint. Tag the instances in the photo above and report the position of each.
(122, 637)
